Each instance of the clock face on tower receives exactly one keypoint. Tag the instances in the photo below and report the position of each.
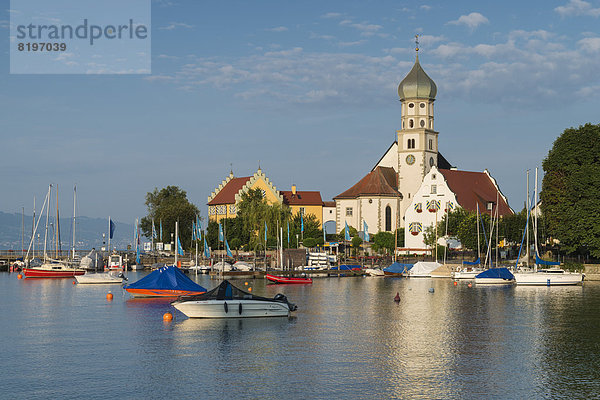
(410, 159)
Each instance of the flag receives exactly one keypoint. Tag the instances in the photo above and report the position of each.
(198, 228)
(193, 230)
(301, 223)
(179, 248)
(206, 249)
(161, 230)
(366, 229)
(229, 254)
(111, 228)
(153, 230)
(266, 229)
(138, 254)
(288, 233)
(347, 232)
(221, 236)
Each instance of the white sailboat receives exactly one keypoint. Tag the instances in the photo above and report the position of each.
(552, 276)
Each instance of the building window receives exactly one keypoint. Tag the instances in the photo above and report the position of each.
(388, 218)
(411, 105)
(422, 123)
(430, 144)
(348, 211)
(433, 189)
(431, 162)
(422, 105)
(402, 124)
(410, 143)
(411, 123)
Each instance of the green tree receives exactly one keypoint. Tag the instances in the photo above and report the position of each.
(342, 234)
(309, 242)
(356, 242)
(168, 205)
(571, 189)
(383, 242)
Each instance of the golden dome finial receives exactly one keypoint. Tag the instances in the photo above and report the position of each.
(417, 44)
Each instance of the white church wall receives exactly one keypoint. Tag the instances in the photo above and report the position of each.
(390, 158)
(434, 187)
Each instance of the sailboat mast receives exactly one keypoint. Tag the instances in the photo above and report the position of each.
(57, 233)
(535, 201)
(478, 247)
(497, 218)
(47, 222)
(22, 232)
(176, 241)
(528, 206)
(33, 228)
(74, 208)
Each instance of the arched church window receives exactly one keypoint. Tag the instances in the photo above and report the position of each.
(422, 123)
(430, 144)
(411, 123)
(431, 162)
(388, 218)
(402, 124)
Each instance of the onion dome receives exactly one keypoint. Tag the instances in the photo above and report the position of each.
(417, 84)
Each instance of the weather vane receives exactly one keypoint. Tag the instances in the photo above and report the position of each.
(417, 43)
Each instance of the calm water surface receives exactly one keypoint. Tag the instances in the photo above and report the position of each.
(348, 340)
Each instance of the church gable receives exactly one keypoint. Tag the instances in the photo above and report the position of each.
(389, 158)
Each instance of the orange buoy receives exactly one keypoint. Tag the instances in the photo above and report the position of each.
(246, 283)
(455, 283)
(74, 282)
(249, 289)
(167, 316)
(397, 297)
(19, 276)
(469, 285)
(109, 296)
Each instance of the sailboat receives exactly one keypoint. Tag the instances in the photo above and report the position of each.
(471, 269)
(50, 268)
(550, 274)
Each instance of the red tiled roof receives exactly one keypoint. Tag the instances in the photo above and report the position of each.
(227, 194)
(472, 188)
(379, 182)
(302, 198)
(329, 204)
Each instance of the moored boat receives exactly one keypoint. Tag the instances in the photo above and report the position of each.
(227, 301)
(549, 277)
(287, 279)
(167, 281)
(52, 270)
(495, 276)
(101, 278)
(397, 269)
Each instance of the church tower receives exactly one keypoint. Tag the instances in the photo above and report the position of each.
(417, 140)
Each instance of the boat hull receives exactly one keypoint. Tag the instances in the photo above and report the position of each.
(98, 279)
(232, 309)
(494, 281)
(287, 280)
(548, 279)
(160, 292)
(52, 272)
(466, 274)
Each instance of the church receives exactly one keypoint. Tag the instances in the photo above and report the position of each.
(412, 184)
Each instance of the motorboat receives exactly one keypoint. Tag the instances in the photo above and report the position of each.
(115, 262)
(288, 279)
(397, 269)
(52, 270)
(227, 301)
(137, 267)
(101, 278)
(374, 272)
(168, 281)
(242, 266)
(495, 276)
(549, 277)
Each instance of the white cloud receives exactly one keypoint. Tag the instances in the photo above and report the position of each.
(355, 43)
(174, 25)
(472, 20)
(425, 7)
(576, 8)
(366, 28)
(590, 45)
(332, 15)
(277, 29)
(314, 35)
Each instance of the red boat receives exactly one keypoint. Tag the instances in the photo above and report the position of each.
(287, 279)
(52, 271)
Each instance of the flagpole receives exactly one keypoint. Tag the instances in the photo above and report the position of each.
(109, 235)
(176, 242)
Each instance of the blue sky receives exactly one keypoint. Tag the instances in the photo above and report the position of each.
(308, 88)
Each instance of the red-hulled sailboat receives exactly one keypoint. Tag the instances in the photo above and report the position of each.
(287, 279)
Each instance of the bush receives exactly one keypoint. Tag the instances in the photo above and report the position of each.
(309, 242)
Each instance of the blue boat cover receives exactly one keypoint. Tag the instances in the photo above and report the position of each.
(166, 278)
(398, 268)
(346, 267)
(539, 261)
(476, 262)
(502, 273)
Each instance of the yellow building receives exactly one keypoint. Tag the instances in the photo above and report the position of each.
(222, 203)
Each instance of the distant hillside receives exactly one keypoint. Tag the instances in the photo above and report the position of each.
(88, 232)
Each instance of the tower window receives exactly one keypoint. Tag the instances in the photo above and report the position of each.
(402, 124)
(411, 105)
(422, 105)
(431, 162)
(422, 123)
(430, 144)
(411, 143)
(411, 123)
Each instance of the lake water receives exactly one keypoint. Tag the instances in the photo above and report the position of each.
(347, 340)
